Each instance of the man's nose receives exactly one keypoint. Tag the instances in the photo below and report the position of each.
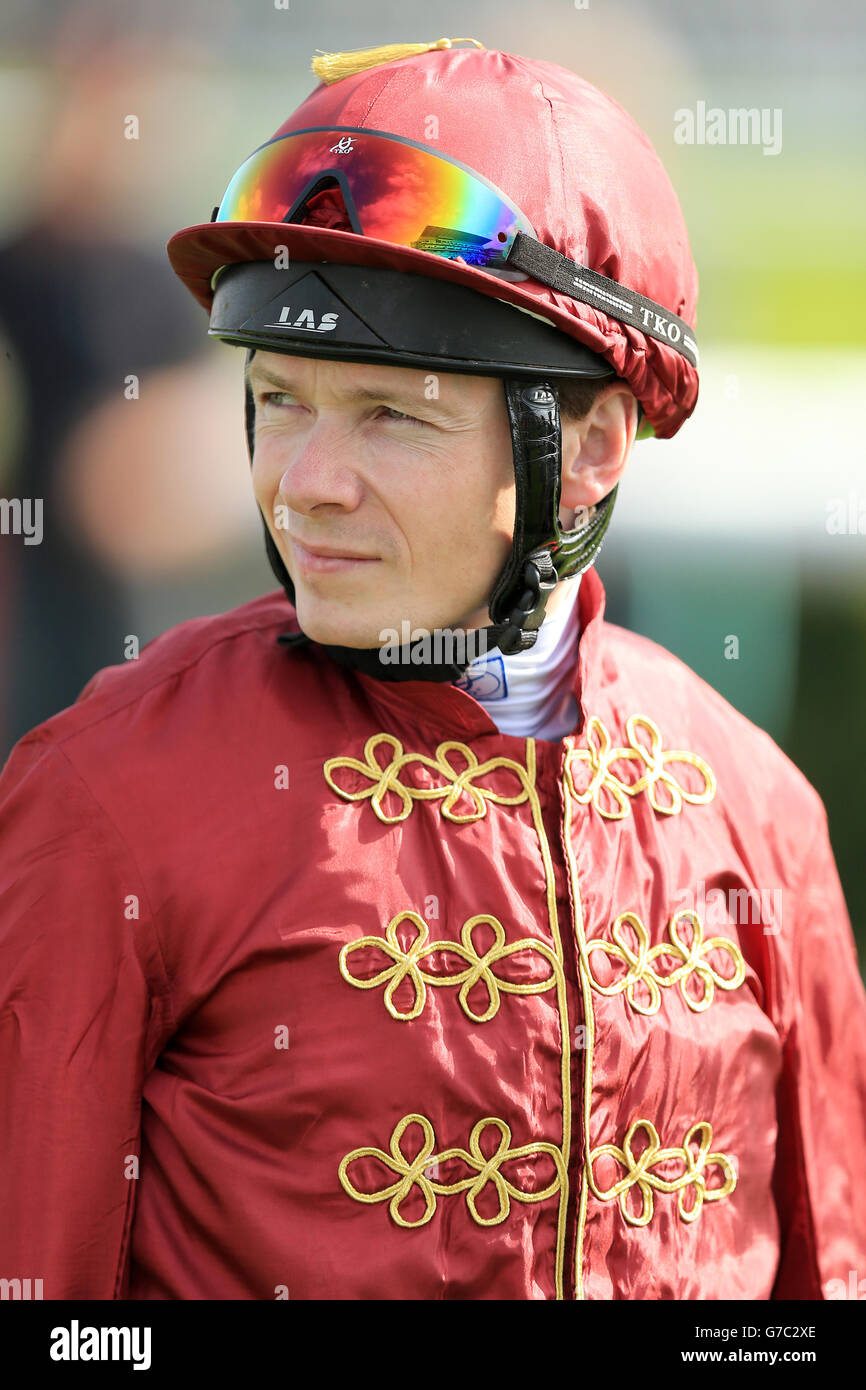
(320, 471)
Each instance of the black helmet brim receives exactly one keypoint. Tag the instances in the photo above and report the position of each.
(373, 314)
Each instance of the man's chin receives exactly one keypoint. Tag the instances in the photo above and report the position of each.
(334, 625)
(339, 631)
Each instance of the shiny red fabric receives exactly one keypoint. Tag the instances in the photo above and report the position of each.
(567, 155)
(207, 1067)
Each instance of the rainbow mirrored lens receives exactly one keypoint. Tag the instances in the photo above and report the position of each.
(394, 189)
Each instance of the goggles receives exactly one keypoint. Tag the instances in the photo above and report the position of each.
(394, 190)
(399, 191)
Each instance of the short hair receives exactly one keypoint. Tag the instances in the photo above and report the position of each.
(577, 395)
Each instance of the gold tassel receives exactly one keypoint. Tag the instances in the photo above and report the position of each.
(330, 67)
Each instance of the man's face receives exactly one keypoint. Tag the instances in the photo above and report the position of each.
(403, 477)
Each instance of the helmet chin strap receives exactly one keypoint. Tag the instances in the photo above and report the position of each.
(542, 552)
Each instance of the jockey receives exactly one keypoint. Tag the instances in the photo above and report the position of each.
(411, 932)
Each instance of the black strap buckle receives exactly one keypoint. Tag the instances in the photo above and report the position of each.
(521, 627)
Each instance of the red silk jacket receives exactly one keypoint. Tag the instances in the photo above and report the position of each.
(313, 986)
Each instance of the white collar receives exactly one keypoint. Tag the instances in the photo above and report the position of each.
(530, 694)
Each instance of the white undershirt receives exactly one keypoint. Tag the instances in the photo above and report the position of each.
(530, 693)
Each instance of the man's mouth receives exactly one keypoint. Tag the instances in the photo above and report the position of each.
(322, 559)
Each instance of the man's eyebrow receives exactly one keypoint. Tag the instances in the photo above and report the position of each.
(405, 393)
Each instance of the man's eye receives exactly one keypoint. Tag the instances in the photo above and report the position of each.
(398, 415)
(284, 399)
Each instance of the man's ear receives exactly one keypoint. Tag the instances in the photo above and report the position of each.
(595, 449)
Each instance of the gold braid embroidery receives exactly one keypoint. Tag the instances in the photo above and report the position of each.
(413, 1172)
(585, 978)
(479, 968)
(604, 781)
(607, 791)
(691, 957)
(387, 779)
(599, 755)
(639, 1172)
